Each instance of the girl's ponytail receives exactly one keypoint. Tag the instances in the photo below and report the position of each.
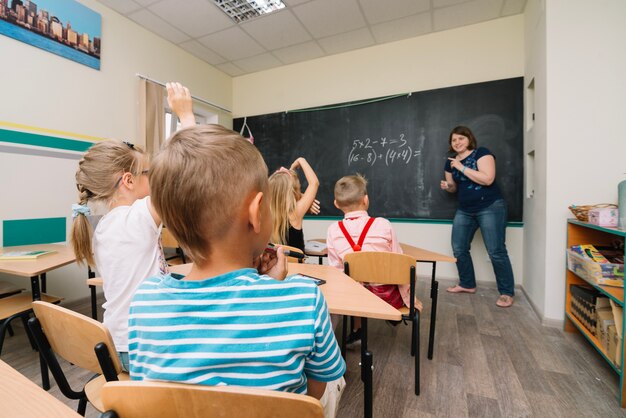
(82, 232)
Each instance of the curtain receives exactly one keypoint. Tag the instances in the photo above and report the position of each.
(152, 115)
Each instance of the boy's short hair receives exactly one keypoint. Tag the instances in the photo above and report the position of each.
(349, 190)
(199, 180)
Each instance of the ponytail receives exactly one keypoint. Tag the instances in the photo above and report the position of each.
(82, 232)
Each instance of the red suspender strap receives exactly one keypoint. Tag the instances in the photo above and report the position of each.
(358, 246)
(369, 223)
(345, 234)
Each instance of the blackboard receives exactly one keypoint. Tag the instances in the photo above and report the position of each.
(400, 144)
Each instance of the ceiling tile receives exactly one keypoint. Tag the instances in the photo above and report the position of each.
(232, 44)
(294, 2)
(276, 30)
(513, 7)
(330, 17)
(360, 38)
(157, 25)
(446, 3)
(194, 17)
(466, 14)
(121, 6)
(377, 11)
(398, 29)
(230, 69)
(297, 53)
(202, 52)
(145, 3)
(258, 63)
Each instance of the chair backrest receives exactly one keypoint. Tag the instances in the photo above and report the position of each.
(133, 399)
(295, 250)
(167, 239)
(379, 267)
(73, 336)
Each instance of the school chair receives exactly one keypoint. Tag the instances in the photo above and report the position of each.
(168, 241)
(74, 337)
(388, 268)
(19, 306)
(139, 399)
(8, 289)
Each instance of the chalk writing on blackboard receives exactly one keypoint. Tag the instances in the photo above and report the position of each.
(385, 150)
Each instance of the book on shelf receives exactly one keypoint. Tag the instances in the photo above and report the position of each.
(24, 255)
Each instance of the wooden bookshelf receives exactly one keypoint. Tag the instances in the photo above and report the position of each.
(584, 233)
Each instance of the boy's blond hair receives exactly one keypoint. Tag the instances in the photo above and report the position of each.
(97, 181)
(199, 181)
(350, 190)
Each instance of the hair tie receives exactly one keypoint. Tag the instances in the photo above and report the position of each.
(78, 209)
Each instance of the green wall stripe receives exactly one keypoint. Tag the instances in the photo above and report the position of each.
(33, 231)
(406, 220)
(27, 138)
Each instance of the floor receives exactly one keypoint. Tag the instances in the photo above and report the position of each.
(488, 362)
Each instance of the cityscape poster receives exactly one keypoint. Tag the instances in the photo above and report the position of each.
(63, 27)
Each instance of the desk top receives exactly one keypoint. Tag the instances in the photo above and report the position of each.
(343, 295)
(64, 255)
(425, 255)
(20, 397)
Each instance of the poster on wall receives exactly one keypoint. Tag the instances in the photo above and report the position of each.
(63, 27)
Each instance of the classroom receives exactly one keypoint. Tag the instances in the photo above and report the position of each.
(571, 57)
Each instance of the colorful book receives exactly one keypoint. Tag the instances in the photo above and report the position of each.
(24, 255)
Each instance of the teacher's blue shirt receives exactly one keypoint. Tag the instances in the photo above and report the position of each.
(473, 197)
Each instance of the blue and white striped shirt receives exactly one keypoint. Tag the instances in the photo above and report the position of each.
(239, 328)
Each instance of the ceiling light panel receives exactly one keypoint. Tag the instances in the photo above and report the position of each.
(242, 10)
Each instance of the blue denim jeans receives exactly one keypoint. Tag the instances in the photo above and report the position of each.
(492, 224)
(123, 356)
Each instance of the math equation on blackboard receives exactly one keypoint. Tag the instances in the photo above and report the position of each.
(383, 150)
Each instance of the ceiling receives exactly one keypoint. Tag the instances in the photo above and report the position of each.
(304, 29)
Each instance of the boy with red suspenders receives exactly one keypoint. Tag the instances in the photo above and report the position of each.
(360, 232)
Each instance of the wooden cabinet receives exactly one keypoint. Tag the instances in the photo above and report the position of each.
(584, 233)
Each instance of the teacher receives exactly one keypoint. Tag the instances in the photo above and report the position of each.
(471, 173)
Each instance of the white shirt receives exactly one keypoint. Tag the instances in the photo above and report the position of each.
(127, 250)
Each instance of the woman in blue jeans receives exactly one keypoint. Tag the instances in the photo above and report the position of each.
(471, 174)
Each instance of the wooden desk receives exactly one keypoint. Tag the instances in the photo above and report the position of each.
(425, 256)
(19, 397)
(343, 296)
(36, 269)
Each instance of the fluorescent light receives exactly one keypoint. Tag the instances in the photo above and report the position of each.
(242, 10)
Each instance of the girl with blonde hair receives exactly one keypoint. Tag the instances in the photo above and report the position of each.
(125, 246)
(289, 205)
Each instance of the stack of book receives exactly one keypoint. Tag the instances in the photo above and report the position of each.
(585, 303)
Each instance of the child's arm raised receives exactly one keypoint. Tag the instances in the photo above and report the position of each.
(308, 197)
(179, 100)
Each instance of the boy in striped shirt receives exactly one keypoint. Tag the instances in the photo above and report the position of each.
(235, 319)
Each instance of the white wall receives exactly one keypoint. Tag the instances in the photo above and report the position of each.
(44, 90)
(483, 52)
(586, 87)
(534, 259)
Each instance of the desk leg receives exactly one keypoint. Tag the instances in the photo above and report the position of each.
(43, 282)
(34, 286)
(94, 299)
(434, 293)
(367, 361)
